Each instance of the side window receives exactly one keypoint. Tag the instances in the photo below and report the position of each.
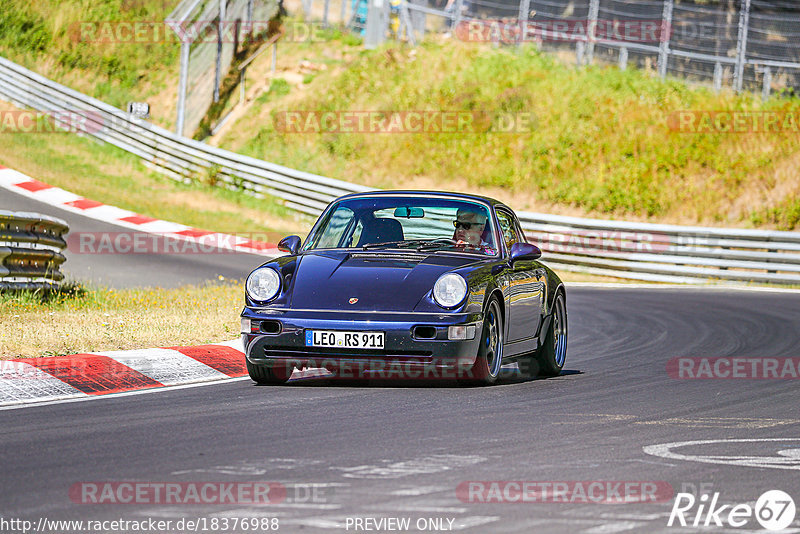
(356, 235)
(521, 233)
(507, 226)
(335, 228)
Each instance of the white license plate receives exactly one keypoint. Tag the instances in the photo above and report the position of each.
(345, 340)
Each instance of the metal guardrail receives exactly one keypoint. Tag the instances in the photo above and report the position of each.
(655, 252)
(164, 151)
(665, 253)
(30, 250)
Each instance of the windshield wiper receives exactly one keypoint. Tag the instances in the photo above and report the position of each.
(433, 244)
(422, 245)
(387, 244)
(450, 243)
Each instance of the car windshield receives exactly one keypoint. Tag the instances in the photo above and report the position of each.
(424, 224)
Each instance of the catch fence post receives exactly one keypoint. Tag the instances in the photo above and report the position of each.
(218, 67)
(666, 30)
(741, 46)
(591, 30)
(182, 82)
(524, 13)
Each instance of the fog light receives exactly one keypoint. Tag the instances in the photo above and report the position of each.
(461, 332)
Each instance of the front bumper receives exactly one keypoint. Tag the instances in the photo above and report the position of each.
(402, 346)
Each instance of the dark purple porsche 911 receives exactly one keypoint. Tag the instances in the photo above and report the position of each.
(406, 284)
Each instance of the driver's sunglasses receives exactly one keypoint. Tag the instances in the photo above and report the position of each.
(464, 225)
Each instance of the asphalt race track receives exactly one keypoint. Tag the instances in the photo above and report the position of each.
(134, 270)
(383, 450)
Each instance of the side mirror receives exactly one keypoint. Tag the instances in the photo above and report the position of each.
(290, 244)
(525, 252)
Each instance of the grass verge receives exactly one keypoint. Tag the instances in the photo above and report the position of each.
(90, 320)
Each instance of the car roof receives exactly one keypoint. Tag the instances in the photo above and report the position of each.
(395, 192)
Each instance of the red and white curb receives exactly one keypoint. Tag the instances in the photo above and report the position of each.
(36, 381)
(33, 380)
(25, 185)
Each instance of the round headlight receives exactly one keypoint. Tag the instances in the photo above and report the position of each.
(263, 284)
(449, 290)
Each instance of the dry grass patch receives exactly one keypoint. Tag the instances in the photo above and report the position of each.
(108, 319)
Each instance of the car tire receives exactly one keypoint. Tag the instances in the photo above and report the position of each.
(487, 365)
(550, 358)
(268, 376)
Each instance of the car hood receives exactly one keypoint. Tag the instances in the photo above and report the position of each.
(381, 281)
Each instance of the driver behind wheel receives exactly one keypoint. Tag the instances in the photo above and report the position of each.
(469, 227)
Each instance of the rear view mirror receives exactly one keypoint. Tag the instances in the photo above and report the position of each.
(409, 213)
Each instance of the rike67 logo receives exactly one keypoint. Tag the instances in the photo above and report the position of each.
(774, 510)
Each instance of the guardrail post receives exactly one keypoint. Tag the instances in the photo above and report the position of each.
(717, 76)
(623, 58)
(524, 13)
(767, 87)
(591, 30)
(666, 34)
(741, 46)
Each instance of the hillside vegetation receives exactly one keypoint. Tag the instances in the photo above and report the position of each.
(600, 143)
(44, 36)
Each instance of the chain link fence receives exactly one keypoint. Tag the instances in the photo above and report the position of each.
(212, 33)
(742, 44)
